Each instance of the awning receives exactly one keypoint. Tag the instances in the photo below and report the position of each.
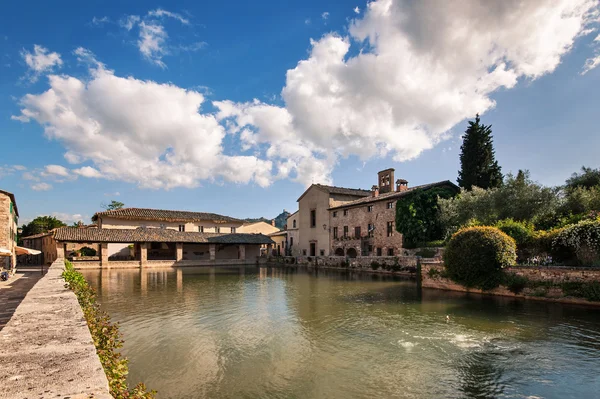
(5, 252)
(26, 251)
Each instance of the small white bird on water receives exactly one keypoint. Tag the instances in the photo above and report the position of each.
(447, 318)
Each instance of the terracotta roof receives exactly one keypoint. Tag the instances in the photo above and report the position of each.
(31, 237)
(356, 192)
(164, 215)
(12, 198)
(394, 194)
(142, 234)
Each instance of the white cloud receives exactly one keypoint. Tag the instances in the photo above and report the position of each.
(87, 171)
(139, 131)
(405, 74)
(41, 186)
(152, 42)
(325, 15)
(422, 68)
(40, 61)
(129, 22)
(69, 218)
(153, 37)
(356, 10)
(594, 61)
(57, 170)
(100, 21)
(19, 167)
(164, 13)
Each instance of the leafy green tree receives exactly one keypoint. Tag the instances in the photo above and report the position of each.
(41, 224)
(519, 198)
(113, 205)
(588, 178)
(479, 167)
(417, 215)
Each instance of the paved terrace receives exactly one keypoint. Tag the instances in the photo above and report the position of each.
(46, 350)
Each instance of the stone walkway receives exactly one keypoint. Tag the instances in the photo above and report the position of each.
(14, 290)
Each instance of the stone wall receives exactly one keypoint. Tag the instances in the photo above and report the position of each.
(386, 264)
(46, 349)
(382, 213)
(8, 231)
(549, 289)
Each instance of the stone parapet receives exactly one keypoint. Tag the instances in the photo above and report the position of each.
(46, 349)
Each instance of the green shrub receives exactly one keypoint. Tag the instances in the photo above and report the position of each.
(87, 251)
(589, 291)
(433, 244)
(432, 273)
(515, 283)
(106, 337)
(375, 265)
(583, 239)
(521, 232)
(426, 252)
(475, 256)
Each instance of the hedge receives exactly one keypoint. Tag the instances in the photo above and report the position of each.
(106, 336)
(475, 256)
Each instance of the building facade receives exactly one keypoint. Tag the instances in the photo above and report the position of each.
(9, 219)
(182, 221)
(351, 222)
(293, 235)
(43, 242)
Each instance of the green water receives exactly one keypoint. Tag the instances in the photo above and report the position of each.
(280, 333)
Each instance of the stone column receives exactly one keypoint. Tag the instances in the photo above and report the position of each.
(242, 252)
(213, 251)
(143, 254)
(179, 251)
(104, 254)
(269, 249)
(60, 250)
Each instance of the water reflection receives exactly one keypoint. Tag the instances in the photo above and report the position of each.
(268, 332)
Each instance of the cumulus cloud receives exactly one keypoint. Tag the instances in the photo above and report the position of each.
(87, 171)
(594, 61)
(422, 67)
(41, 186)
(40, 61)
(325, 15)
(57, 170)
(356, 10)
(138, 131)
(403, 76)
(129, 21)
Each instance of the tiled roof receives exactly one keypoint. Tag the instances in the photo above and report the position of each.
(164, 215)
(394, 194)
(31, 237)
(356, 192)
(141, 234)
(278, 233)
(12, 198)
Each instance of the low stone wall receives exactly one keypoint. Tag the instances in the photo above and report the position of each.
(46, 350)
(406, 265)
(549, 277)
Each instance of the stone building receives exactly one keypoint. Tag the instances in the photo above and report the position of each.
(293, 235)
(182, 221)
(258, 228)
(313, 216)
(9, 219)
(367, 226)
(350, 222)
(43, 242)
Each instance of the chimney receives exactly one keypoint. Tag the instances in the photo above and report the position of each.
(401, 185)
(273, 222)
(375, 191)
(385, 178)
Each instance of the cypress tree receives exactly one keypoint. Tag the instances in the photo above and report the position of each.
(477, 160)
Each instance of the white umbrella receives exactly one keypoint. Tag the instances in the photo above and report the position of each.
(26, 251)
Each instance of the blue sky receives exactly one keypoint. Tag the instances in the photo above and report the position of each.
(235, 108)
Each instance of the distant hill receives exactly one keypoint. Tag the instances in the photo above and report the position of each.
(280, 220)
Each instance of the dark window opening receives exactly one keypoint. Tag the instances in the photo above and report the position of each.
(345, 231)
(313, 218)
(390, 252)
(378, 251)
(370, 208)
(182, 227)
(390, 229)
(335, 232)
(357, 232)
(313, 249)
